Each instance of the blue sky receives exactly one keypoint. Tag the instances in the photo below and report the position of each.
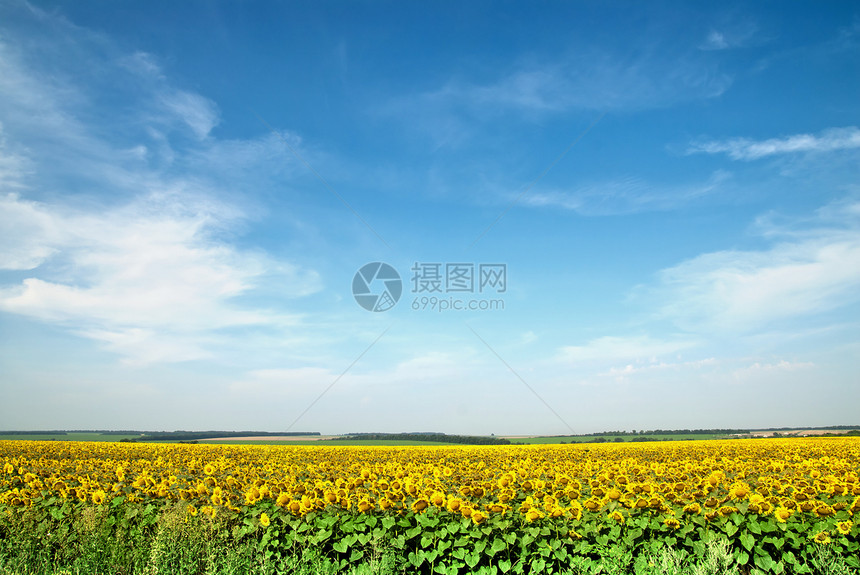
(188, 191)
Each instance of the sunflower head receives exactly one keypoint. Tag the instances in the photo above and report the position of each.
(671, 522)
(264, 520)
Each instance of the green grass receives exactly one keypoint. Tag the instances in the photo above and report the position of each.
(323, 442)
(66, 437)
(611, 438)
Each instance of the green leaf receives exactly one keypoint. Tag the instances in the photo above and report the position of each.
(504, 565)
(341, 546)
(498, 545)
(754, 528)
(763, 562)
(747, 540)
(415, 559)
(742, 557)
(388, 522)
(602, 539)
(472, 559)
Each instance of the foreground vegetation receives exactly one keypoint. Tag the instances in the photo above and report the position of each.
(775, 506)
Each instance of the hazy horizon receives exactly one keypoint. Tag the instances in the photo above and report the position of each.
(649, 213)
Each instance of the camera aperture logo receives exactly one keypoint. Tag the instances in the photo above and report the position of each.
(436, 286)
(377, 287)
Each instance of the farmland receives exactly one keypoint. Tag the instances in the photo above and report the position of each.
(775, 505)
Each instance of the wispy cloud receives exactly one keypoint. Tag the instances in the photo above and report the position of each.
(634, 348)
(805, 273)
(625, 196)
(593, 81)
(144, 262)
(715, 41)
(829, 140)
(138, 273)
(730, 35)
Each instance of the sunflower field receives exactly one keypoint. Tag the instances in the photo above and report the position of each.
(489, 509)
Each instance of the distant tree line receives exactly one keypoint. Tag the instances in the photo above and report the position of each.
(424, 436)
(197, 435)
(32, 433)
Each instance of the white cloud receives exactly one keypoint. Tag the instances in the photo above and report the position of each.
(829, 140)
(595, 81)
(135, 272)
(624, 196)
(715, 41)
(199, 113)
(635, 348)
(104, 240)
(808, 273)
(759, 370)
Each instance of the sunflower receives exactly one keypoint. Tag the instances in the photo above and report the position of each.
(822, 538)
(782, 514)
(671, 522)
(533, 515)
(844, 527)
(264, 520)
(191, 510)
(478, 517)
(99, 497)
(209, 469)
(420, 505)
(617, 516)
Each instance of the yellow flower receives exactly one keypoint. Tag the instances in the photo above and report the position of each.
(822, 538)
(99, 497)
(192, 510)
(264, 520)
(420, 505)
(692, 508)
(844, 527)
(364, 505)
(782, 514)
(533, 515)
(727, 510)
(671, 522)
(209, 469)
(478, 517)
(617, 516)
